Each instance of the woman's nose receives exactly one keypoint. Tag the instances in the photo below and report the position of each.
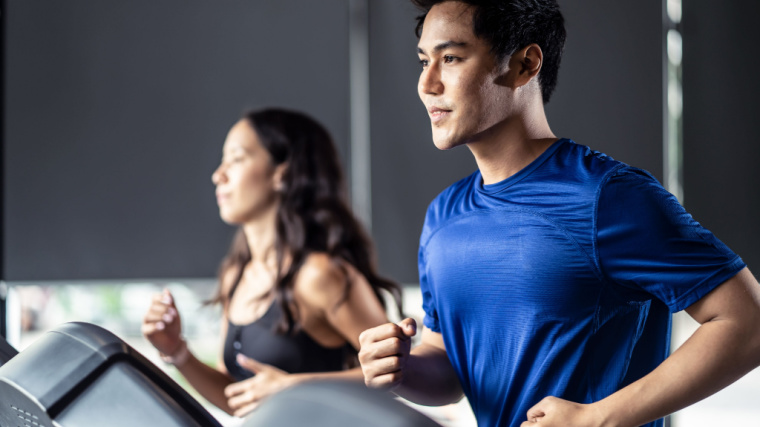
(217, 176)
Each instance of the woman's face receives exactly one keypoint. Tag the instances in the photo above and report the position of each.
(246, 180)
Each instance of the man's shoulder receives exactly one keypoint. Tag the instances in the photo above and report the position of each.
(576, 155)
(452, 201)
(589, 169)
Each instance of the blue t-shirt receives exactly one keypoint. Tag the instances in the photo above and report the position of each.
(559, 281)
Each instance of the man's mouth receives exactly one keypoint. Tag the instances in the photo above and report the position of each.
(438, 114)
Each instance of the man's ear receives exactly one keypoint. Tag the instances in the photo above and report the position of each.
(525, 64)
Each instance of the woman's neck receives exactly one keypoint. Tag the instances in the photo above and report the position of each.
(261, 235)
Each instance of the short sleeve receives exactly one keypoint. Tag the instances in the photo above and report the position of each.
(648, 243)
(428, 292)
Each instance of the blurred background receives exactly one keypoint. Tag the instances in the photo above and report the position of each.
(114, 114)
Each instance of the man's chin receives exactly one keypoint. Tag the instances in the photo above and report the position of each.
(445, 142)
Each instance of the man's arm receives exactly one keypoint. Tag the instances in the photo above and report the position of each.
(423, 375)
(724, 348)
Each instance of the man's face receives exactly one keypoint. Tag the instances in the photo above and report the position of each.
(459, 79)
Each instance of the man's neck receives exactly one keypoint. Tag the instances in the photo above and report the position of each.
(508, 148)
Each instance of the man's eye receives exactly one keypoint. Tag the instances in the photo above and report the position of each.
(424, 63)
(449, 59)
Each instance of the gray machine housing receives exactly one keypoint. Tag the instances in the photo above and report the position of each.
(335, 404)
(82, 375)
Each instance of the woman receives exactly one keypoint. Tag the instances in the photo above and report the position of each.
(298, 285)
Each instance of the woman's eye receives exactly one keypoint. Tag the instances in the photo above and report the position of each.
(232, 160)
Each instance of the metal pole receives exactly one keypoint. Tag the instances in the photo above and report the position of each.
(361, 172)
(3, 287)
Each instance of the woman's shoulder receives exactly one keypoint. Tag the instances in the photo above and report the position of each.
(322, 279)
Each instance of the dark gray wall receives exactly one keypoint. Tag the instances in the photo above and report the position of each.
(115, 116)
(117, 110)
(609, 97)
(721, 91)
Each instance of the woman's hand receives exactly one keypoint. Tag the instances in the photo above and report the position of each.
(162, 325)
(244, 396)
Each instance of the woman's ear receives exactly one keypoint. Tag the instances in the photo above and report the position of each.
(278, 176)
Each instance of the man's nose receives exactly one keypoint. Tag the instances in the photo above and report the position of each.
(430, 81)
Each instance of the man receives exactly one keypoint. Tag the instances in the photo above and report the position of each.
(549, 275)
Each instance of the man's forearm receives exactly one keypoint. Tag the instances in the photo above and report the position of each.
(429, 378)
(719, 353)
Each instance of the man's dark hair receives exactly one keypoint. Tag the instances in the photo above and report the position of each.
(509, 25)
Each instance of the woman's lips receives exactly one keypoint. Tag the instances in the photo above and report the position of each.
(221, 198)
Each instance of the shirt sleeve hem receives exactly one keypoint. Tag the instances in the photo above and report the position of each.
(431, 324)
(704, 287)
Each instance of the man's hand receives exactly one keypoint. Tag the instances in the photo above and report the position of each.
(553, 411)
(246, 395)
(384, 352)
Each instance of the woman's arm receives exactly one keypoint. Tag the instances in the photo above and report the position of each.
(209, 382)
(328, 313)
(162, 326)
(335, 304)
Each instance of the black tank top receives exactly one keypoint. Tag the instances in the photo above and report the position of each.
(293, 353)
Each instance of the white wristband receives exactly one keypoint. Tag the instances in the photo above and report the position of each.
(179, 357)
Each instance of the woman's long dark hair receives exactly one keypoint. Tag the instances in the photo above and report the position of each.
(313, 215)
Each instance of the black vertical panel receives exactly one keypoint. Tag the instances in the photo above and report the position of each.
(609, 97)
(115, 116)
(721, 91)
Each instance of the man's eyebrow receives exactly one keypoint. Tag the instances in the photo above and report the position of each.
(441, 46)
